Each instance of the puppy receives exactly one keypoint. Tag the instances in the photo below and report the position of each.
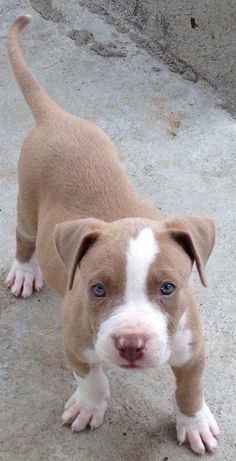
(122, 270)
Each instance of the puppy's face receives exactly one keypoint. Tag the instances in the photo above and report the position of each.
(131, 278)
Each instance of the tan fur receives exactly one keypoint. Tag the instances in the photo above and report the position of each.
(69, 172)
(190, 383)
(197, 239)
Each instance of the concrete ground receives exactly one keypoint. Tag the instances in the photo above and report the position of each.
(178, 146)
(197, 39)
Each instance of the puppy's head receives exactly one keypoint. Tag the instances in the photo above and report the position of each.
(131, 276)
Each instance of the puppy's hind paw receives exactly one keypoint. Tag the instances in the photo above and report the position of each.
(24, 278)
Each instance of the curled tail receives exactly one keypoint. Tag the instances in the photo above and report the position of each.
(37, 99)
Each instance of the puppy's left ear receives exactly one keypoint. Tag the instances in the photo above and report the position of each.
(197, 238)
(73, 239)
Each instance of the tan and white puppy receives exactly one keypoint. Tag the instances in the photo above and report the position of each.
(122, 270)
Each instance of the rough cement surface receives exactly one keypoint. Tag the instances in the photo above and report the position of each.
(179, 149)
(195, 38)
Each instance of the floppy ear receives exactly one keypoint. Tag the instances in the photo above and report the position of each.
(197, 237)
(73, 239)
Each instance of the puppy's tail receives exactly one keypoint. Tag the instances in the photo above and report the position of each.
(37, 99)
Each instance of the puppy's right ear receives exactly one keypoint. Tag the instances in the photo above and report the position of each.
(72, 241)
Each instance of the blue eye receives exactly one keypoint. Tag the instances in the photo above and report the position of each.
(99, 291)
(167, 289)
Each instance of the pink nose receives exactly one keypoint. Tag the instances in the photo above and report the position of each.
(130, 347)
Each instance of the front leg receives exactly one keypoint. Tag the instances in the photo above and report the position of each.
(88, 404)
(194, 421)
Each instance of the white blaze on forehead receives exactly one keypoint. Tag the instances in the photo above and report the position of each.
(140, 255)
(137, 314)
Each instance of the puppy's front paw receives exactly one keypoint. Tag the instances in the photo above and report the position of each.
(23, 278)
(80, 415)
(201, 430)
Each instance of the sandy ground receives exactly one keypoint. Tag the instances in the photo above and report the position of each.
(178, 146)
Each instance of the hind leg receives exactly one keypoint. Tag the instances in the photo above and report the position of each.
(25, 275)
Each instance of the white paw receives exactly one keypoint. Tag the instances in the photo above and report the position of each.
(24, 278)
(79, 417)
(88, 404)
(201, 430)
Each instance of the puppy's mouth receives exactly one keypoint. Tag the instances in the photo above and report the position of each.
(129, 365)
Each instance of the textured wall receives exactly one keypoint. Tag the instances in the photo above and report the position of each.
(195, 37)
